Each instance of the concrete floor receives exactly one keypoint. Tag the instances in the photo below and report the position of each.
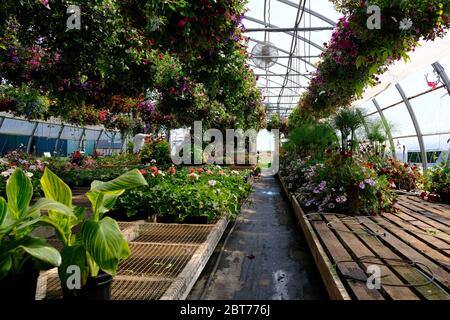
(265, 258)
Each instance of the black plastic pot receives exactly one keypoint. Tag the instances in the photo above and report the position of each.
(445, 196)
(19, 286)
(96, 288)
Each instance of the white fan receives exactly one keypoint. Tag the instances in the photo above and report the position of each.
(264, 55)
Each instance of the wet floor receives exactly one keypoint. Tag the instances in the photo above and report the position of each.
(265, 257)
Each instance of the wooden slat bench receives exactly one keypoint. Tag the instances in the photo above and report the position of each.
(411, 249)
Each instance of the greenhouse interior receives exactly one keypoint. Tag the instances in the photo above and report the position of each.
(224, 150)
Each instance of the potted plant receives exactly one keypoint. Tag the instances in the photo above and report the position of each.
(94, 252)
(22, 255)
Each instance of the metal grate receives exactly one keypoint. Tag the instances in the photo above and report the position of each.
(145, 289)
(173, 233)
(156, 260)
(160, 253)
(122, 288)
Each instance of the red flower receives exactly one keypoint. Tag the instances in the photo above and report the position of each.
(200, 170)
(172, 170)
(182, 23)
(432, 85)
(160, 56)
(143, 171)
(102, 115)
(154, 170)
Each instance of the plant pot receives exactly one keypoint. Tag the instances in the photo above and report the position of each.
(196, 220)
(353, 202)
(445, 195)
(96, 288)
(19, 286)
(146, 160)
(122, 216)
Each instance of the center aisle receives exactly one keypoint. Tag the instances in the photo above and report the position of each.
(265, 257)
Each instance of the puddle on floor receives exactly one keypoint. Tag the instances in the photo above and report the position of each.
(270, 193)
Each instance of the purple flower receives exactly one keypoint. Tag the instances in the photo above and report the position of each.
(370, 182)
(322, 185)
(147, 106)
(362, 186)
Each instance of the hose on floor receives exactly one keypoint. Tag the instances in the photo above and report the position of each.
(389, 262)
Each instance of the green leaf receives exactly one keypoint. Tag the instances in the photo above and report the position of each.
(373, 69)
(360, 60)
(73, 256)
(3, 210)
(41, 250)
(56, 189)
(105, 243)
(5, 266)
(49, 204)
(19, 191)
(129, 180)
(103, 195)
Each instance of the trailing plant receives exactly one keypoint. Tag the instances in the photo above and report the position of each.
(355, 56)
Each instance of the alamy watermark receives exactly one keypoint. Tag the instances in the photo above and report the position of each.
(239, 147)
(73, 281)
(74, 20)
(374, 20)
(374, 280)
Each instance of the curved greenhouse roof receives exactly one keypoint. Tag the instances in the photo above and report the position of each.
(412, 96)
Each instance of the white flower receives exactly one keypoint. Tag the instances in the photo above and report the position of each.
(153, 161)
(29, 174)
(5, 174)
(212, 183)
(161, 173)
(32, 167)
(405, 24)
(235, 172)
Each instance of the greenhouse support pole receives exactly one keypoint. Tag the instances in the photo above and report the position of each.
(113, 138)
(58, 139)
(386, 127)
(98, 139)
(2, 119)
(416, 126)
(441, 72)
(80, 142)
(30, 140)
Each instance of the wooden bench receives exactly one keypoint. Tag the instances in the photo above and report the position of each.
(410, 248)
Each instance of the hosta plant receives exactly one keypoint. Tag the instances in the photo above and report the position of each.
(98, 245)
(19, 249)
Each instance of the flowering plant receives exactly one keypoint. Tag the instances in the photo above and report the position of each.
(438, 181)
(355, 55)
(402, 176)
(340, 184)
